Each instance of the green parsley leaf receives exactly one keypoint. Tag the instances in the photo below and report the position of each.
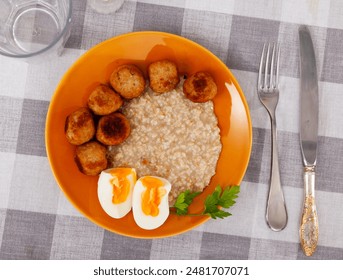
(183, 201)
(190, 196)
(227, 199)
(219, 214)
(180, 205)
(224, 198)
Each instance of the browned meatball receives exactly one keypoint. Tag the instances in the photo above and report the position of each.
(113, 129)
(79, 126)
(200, 87)
(128, 81)
(103, 100)
(91, 158)
(163, 76)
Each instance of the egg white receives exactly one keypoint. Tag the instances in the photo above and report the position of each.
(105, 194)
(146, 221)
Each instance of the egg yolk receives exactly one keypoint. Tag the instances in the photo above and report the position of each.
(120, 184)
(151, 197)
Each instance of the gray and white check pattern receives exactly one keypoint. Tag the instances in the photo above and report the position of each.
(36, 220)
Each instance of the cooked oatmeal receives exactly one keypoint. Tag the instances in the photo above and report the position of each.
(171, 137)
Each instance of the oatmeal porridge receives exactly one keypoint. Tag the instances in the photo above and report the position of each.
(171, 137)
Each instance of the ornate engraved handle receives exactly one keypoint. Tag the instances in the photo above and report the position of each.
(309, 223)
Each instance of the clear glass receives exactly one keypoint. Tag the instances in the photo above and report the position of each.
(106, 6)
(34, 28)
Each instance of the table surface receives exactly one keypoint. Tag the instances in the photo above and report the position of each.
(37, 221)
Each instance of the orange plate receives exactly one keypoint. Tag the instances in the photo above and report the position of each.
(142, 48)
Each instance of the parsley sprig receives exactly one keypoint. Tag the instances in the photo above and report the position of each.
(213, 205)
(183, 201)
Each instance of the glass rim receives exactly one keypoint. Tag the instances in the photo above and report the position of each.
(53, 43)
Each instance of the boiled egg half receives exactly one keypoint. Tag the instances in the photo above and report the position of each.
(150, 201)
(115, 188)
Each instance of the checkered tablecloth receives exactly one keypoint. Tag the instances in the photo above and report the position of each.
(36, 220)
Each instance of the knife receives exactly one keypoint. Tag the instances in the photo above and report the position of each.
(309, 108)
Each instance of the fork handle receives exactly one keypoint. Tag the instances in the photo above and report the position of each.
(276, 213)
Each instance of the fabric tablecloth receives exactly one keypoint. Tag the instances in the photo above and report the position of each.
(37, 221)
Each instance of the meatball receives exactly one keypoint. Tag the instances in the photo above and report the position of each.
(91, 158)
(128, 81)
(163, 76)
(113, 129)
(200, 87)
(79, 126)
(103, 100)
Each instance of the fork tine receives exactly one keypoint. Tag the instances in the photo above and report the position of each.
(277, 66)
(266, 68)
(272, 79)
(259, 83)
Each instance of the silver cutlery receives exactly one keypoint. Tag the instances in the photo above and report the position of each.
(268, 93)
(308, 139)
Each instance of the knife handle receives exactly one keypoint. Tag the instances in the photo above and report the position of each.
(309, 223)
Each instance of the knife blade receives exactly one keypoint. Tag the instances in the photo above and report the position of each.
(309, 116)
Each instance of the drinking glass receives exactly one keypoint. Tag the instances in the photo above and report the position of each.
(106, 6)
(34, 30)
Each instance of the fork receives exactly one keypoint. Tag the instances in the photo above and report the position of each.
(268, 93)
